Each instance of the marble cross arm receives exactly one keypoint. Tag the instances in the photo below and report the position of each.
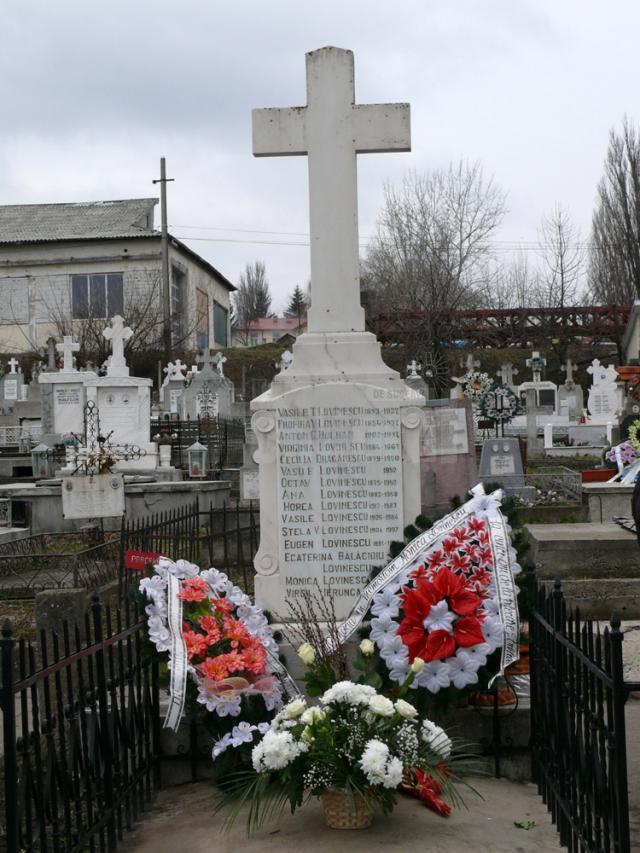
(378, 128)
(279, 132)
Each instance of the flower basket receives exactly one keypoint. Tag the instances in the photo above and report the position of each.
(346, 811)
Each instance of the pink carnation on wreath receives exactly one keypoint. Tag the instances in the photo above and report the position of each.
(444, 611)
(228, 640)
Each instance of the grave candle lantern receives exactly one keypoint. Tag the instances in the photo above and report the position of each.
(197, 454)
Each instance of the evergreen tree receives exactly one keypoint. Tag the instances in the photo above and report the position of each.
(297, 304)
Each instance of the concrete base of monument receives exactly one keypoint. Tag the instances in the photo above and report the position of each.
(607, 501)
(44, 502)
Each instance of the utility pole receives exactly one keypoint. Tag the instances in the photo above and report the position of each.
(164, 245)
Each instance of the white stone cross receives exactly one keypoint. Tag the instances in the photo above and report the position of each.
(13, 363)
(331, 130)
(220, 361)
(536, 363)
(179, 373)
(67, 348)
(412, 370)
(507, 372)
(169, 371)
(600, 374)
(568, 368)
(118, 334)
(471, 363)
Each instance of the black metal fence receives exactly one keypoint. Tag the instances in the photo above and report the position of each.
(57, 560)
(578, 696)
(224, 537)
(81, 736)
(223, 438)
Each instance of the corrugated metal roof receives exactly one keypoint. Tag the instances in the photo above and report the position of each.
(85, 220)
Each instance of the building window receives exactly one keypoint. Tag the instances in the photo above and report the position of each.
(253, 339)
(202, 319)
(96, 295)
(178, 300)
(220, 324)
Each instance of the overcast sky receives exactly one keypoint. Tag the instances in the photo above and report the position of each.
(93, 94)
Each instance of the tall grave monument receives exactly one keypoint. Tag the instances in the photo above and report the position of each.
(338, 431)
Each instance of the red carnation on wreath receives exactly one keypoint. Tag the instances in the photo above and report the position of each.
(440, 615)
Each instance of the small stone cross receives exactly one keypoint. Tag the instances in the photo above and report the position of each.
(67, 348)
(220, 362)
(506, 372)
(600, 374)
(13, 363)
(536, 363)
(179, 373)
(568, 368)
(471, 363)
(332, 130)
(117, 333)
(412, 370)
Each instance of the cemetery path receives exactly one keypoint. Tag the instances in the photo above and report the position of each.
(181, 819)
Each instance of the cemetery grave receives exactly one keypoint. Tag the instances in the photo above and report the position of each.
(265, 634)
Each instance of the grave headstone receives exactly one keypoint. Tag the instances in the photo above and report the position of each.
(173, 389)
(210, 393)
(11, 386)
(415, 381)
(570, 396)
(62, 394)
(448, 465)
(506, 373)
(501, 462)
(123, 402)
(250, 472)
(603, 401)
(338, 430)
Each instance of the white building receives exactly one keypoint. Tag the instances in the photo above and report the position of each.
(63, 266)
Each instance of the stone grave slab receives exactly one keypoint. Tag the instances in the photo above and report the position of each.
(447, 453)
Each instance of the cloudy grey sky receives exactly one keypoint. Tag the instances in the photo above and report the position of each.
(92, 94)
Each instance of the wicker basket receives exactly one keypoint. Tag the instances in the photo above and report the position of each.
(346, 811)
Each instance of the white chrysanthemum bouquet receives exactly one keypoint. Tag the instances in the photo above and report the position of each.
(356, 742)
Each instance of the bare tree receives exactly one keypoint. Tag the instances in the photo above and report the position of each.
(561, 260)
(614, 263)
(431, 245)
(514, 284)
(252, 298)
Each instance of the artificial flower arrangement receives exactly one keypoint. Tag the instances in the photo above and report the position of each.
(500, 404)
(231, 658)
(626, 452)
(353, 750)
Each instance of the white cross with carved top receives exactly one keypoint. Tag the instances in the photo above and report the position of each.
(13, 363)
(412, 369)
(536, 363)
(507, 372)
(331, 130)
(67, 348)
(117, 333)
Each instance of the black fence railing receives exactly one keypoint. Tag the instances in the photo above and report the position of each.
(57, 560)
(81, 733)
(224, 537)
(223, 438)
(578, 695)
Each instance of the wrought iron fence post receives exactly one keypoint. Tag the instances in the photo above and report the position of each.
(7, 704)
(619, 697)
(103, 713)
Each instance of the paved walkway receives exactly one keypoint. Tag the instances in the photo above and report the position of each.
(181, 819)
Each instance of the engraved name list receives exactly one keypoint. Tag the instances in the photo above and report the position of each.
(340, 495)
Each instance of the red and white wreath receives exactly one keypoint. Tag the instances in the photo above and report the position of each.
(444, 611)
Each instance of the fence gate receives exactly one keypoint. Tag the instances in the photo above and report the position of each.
(579, 749)
(81, 734)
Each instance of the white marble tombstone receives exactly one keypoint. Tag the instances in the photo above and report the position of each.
(210, 393)
(338, 431)
(123, 402)
(63, 394)
(603, 401)
(570, 396)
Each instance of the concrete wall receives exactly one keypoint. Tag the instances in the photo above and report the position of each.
(35, 284)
